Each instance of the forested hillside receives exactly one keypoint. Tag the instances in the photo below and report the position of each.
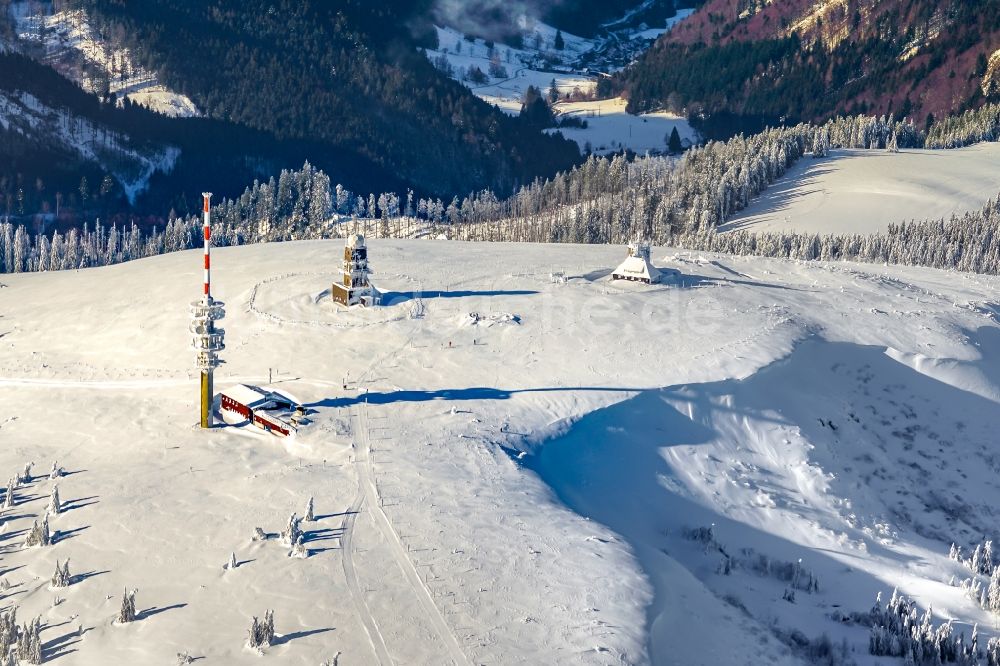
(69, 153)
(345, 74)
(752, 63)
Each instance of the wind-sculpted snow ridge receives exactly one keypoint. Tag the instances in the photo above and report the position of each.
(724, 469)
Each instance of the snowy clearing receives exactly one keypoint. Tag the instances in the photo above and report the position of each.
(554, 489)
(609, 129)
(862, 192)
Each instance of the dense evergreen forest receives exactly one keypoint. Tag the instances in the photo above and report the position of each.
(345, 74)
(677, 202)
(916, 59)
(40, 175)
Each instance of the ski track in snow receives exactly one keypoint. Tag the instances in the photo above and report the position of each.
(357, 593)
(366, 470)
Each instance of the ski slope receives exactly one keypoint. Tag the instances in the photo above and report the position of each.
(863, 192)
(499, 489)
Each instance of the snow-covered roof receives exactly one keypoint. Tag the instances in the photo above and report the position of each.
(355, 241)
(246, 395)
(636, 268)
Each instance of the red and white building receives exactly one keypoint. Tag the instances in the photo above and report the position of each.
(269, 411)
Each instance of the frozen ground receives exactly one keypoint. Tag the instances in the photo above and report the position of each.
(855, 191)
(516, 490)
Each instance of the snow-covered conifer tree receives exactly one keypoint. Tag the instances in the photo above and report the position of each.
(55, 505)
(127, 612)
(39, 534)
(261, 632)
(10, 497)
(290, 535)
(57, 471)
(309, 517)
(61, 577)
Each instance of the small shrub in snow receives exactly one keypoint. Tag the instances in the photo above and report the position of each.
(57, 472)
(258, 535)
(183, 658)
(232, 563)
(309, 517)
(299, 550)
(61, 577)
(25, 476)
(39, 534)
(290, 535)
(127, 612)
(55, 505)
(261, 632)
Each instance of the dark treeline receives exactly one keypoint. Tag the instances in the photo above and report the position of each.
(679, 202)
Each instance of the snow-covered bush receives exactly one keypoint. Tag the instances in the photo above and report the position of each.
(258, 534)
(299, 550)
(25, 477)
(57, 472)
(61, 577)
(309, 517)
(232, 563)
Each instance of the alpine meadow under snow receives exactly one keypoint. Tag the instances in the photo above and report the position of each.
(720, 388)
(502, 480)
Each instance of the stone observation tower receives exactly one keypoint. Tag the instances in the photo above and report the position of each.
(353, 288)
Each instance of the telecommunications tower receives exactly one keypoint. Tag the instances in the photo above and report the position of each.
(208, 340)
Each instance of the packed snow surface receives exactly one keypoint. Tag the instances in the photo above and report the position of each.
(554, 488)
(862, 192)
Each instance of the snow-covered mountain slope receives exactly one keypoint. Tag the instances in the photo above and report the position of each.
(859, 191)
(71, 45)
(496, 489)
(133, 165)
(507, 72)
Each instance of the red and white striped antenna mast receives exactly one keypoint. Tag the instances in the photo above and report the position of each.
(208, 340)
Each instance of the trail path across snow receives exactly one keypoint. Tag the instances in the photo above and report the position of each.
(347, 547)
(366, 478)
